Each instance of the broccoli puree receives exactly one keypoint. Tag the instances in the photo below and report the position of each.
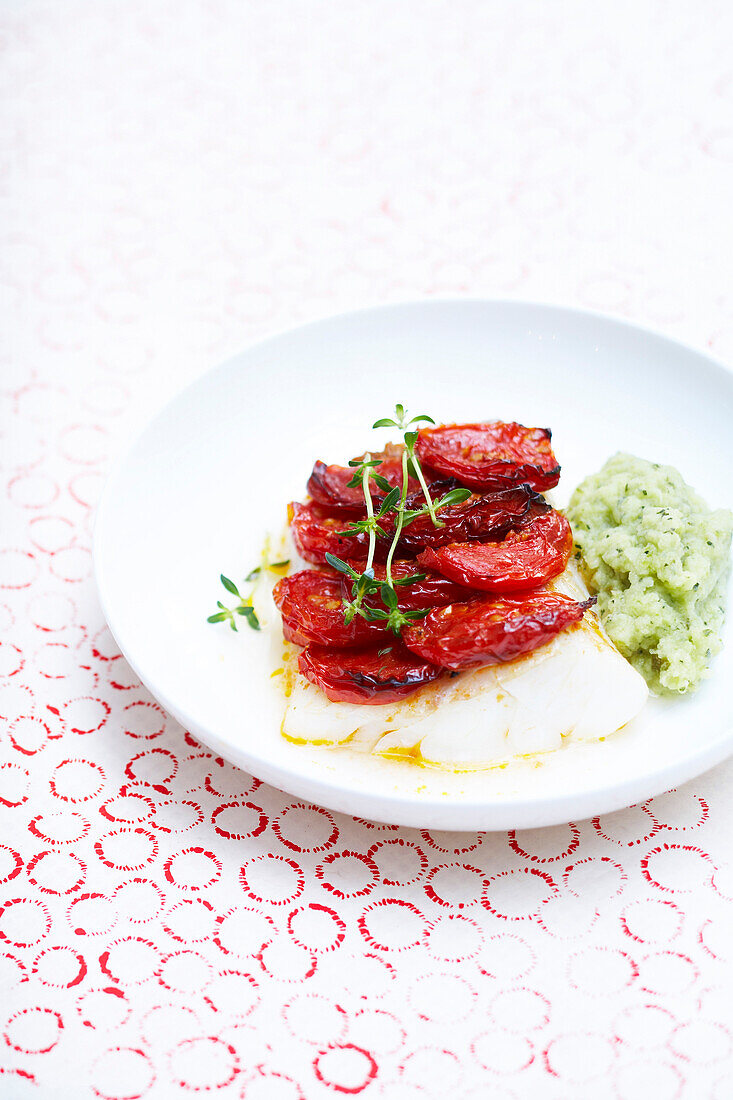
(658, 560)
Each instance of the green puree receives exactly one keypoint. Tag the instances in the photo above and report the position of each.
(658, 560)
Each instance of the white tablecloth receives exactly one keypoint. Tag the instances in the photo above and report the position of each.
(178, 178)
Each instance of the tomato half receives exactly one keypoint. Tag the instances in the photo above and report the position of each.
(481, 516)
(328, 485)
(315, 534)
(312, 611)
(433, 590)
(525, 558)
(537, 507)
(491, 631)
(487, 456)
(374, 675)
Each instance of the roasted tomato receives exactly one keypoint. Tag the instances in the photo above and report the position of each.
(481, 516)
(524, 558)
(376, 675)
(491, 455)
(312, 611)
(328, 485)
(537, 507)
(491, 631)
(488, 515)
(433, 590)
(315, 534)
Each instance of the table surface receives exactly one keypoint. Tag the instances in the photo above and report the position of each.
(177, 179)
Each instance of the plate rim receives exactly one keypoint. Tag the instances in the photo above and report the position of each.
(387, 807)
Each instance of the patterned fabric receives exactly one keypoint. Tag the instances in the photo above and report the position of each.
(179, 178)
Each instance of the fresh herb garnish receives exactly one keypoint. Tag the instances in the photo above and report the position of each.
(412, 579)
(394, 502)
(244, 607)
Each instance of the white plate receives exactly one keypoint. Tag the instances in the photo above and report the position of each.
(213, 472)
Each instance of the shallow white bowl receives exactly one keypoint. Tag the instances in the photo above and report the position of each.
(212, 474)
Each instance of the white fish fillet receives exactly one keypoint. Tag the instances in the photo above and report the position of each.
(576, 688)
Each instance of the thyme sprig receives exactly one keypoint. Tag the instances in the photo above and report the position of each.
(410, 437)
(244, 607)
(360, 464)
(395, 501)
(364, 583)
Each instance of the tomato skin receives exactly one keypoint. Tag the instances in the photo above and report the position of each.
(481, 516)
(525, 558)
(491, 631)
(490, 455)
(537, 507)
(366, 675)
(434, 590)
(291, 633)
(487, 515)
(328, 485)
(315, 534)
(312, 611)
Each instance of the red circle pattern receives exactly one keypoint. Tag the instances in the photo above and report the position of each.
(169, 925)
